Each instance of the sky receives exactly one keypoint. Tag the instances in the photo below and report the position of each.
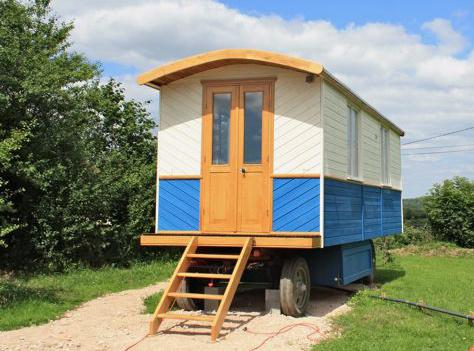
(412, 60)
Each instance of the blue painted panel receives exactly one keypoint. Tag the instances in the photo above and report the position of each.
(296, 205)
(342, 212)
(178, 205)
(356, 261)
(355, 212)
(340, 264)
(372, 212)
(391, 213)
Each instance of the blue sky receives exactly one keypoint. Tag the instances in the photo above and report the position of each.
(412, 60)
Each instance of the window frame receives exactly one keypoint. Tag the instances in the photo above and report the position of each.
(385, 162)
(358, 163)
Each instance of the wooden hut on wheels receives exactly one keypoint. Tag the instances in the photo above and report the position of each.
(267, 161)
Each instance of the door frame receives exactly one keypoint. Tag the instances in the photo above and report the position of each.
(206, 123)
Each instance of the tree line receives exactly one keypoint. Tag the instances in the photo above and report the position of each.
(77, 159)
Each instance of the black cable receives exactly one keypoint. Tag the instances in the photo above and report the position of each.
(470, 318)
(437, 136)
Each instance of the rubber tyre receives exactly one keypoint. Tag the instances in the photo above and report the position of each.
(295, 287)
(188, 286)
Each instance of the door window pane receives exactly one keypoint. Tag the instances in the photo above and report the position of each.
(221, 129)
(253, 127)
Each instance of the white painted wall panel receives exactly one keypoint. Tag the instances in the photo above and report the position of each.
(335, 132)
(371, 149)
(297, 132)
(395, 160)
(334, 112)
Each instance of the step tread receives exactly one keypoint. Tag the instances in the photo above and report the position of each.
(195, 296)
(204, 275)
(183, 316)
(214, 256)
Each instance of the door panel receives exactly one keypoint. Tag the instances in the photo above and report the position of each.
(253, 176)
(236, 158)
(219, 206)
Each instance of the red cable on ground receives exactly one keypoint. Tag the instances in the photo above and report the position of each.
(135, 344)
(315, 329)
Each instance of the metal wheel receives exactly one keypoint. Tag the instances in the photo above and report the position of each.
(295, 286)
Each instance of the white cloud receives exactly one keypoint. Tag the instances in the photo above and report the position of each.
(450, 41)
(426, 88)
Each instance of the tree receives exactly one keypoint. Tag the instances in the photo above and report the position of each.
(76, 157)
(450, 211)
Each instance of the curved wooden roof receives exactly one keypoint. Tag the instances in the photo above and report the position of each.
(194, 64)
(188, 66)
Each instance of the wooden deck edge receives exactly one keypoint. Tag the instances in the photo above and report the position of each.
(241, 234)
(282, 242)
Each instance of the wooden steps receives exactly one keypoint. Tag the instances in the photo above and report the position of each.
(214, 257)
(196, 296)
(182, 316)
(204, 275)
(171, 292)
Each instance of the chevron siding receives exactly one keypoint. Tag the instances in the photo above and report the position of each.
(296, 205)
(178, 204)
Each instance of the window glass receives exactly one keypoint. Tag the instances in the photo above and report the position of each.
(353, 144)
(221, 128)
(253, 102)
(385, 149)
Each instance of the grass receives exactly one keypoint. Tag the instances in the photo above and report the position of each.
(151, 302)
(26, 301)
(445, 282)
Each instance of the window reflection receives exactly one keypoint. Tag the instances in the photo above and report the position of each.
(253, 127)
(221, 129)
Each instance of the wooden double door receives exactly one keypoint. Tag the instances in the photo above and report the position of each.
(237, 142)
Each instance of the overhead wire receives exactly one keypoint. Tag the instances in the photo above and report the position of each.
(438, 136)
(436, 152)
(436, 147)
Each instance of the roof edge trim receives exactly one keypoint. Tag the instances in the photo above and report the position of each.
(245, 55)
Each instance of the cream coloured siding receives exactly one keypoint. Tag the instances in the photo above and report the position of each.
(335, 132)
(179, 137)
(371, 149)
(335, 112)
(297, 126)
(395, 160)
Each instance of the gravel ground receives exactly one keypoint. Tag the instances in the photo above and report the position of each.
(116, 321)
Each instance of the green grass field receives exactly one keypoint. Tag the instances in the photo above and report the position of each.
(446, 282)
(38, 299)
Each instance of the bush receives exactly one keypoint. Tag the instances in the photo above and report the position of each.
(450, 211)
(413, 236)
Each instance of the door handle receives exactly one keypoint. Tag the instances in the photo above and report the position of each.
(242, 170)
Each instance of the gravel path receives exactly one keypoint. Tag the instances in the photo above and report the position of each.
(116, 321)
